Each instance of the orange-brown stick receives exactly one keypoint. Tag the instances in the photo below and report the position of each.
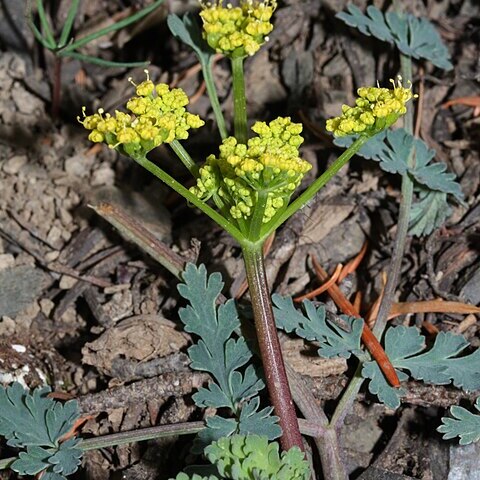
(368, 338)
(322, 288)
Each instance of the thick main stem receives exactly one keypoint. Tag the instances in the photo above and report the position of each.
(239, 101)
(269, 345)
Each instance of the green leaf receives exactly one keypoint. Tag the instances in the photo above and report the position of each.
(379, 386)
(222, 355)
(217, 427)
(439, 365)
(183, 476)
(261, 422)
(34, 419)
(101, 61)
(67, 458)
(114, 27)
(190, 33)
(400, 342)
(67, 27)
(414, 37)
(45, 24)
(464, 424)
(431, 180)
(33, 461)
(429, 211)
(333, 340)
(249, 457)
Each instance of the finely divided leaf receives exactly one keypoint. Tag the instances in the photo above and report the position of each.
(215, 352)
(400, 342)
(333, 340)
(433, 175)
(428, 212)
(379, 386)
(224, 357)
(256, 422)
(432, 182)
(216, 427)
(414, 37)
(371, 24)
(439, 365)
(34, 419)
(464, 424)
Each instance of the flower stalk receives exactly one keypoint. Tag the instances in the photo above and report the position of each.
(239, 101)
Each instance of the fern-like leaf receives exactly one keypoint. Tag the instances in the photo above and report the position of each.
(440, 365)
(34, 419)
(247, 457)
(464, 424)
(333, 340)
(429, 211)
(37, 423)
(414, 37)
(432, 182)
(224, 355)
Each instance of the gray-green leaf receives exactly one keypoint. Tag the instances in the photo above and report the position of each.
(414, 37)
(464, 424)
(333, 340)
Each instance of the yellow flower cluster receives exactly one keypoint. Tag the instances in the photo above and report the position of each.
(375, 110)
(159, 116)
(237, 31)
(269, 163)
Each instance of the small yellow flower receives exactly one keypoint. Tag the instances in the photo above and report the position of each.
(374, 110)
(237, 31)
(159, 116)
(269, 163)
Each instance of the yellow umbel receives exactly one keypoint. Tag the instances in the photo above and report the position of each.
(158, 116)
(268, 164)
(237, 31)
(374, 110)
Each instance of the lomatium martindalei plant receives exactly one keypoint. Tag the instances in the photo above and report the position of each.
(251, 180)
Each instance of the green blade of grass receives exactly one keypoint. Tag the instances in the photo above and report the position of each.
(100, 61)
(111, 28)
(47, 30)
(67, 28)
(38, 35)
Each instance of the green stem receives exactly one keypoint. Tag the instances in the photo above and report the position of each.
(258, 214)
(184, 192)
(347, 399)
(239, 101)
(269, 345)
(310, 192)
(395, 265)
(212, 93)
(185, 158)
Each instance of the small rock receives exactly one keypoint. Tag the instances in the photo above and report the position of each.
(54, 236)
(103, 176)
(67, 282)
(7, 326)
(79, 165)
(7, 260)
(46, 306)
(14, 164)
